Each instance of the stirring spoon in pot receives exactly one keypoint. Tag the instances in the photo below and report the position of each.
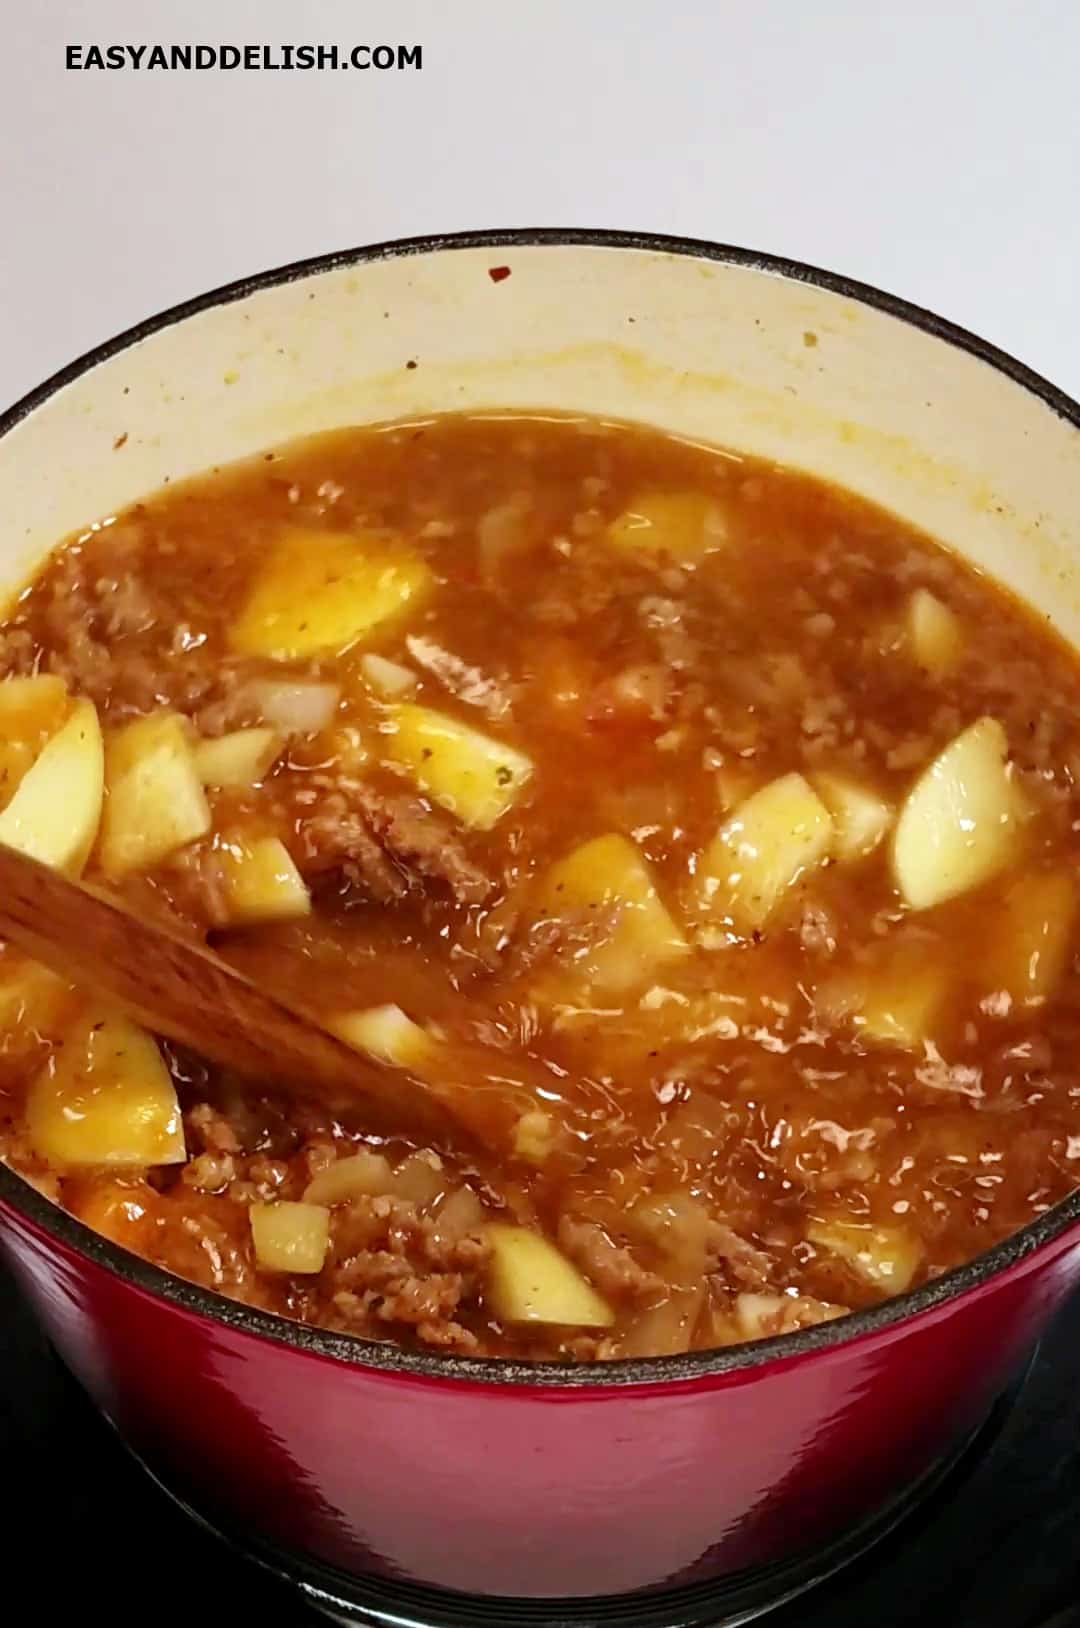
(185, 992)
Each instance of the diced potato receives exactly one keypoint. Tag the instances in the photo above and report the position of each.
(774, 838)
(473, 776)
(105, 1098)
(155, 801)
(885, 1257)
(529, 1281)
(241, 759)
(322, 591)
(33, 1000)
(682, 524)
(31, 710)
(896, 1002)
(933, 632)
(420, 1178)
(860, 816)
(608, 879)
(1028, 935)
(32, 705)
(387, 678)
(290, 1237)
(385, 1033)
(960, 823)
(261, 882)
(55, 813)
(902, 1006)
(358, 1175)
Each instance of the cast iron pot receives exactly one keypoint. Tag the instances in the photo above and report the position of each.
(499, 1478)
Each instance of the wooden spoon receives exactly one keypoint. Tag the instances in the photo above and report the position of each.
(180, 989)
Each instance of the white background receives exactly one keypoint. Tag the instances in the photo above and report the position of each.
(932, 148)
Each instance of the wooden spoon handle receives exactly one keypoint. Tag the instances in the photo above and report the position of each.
(183, 991)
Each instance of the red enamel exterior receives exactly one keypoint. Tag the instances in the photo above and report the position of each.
(534, 1489)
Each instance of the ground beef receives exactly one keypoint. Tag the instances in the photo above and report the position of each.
(114, 637)
(423, 844)
(208, 1252)
(18, 653)
(406, 1273)
(392, 1271)
(209, 1172)
(197, 886)
(612, 1269)
(230, 702)
(463, 680)
(746, 1265)
(389, 846)
(209, 1129)
(335, 839)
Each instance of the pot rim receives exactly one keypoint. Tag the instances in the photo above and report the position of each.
(142, 1275)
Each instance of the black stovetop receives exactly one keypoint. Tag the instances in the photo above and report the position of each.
(999, 1550)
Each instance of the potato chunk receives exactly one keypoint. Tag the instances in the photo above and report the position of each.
(155, 801)
(860, 816)
(262, 883)
(290, 1236)
(105, 1098)
(31, 710)
(322, 591)
(1028, 939)
(385, 1033)
(607, 881)
(885, 1257)
(895, 1001)
(240, 759)
(55, 813)
(960, 823)
(529, 1281)
(933, 632)
(472, 775)
(775, 837)
(682, 524)
(33, 1001)
(32, 705)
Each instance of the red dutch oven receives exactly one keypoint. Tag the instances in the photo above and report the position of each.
(355, 1460)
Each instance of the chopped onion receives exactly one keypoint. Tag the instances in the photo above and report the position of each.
(298, 706)
(459, 1213)
(420, 1179)
(363, 1174)
(388, 678)
(501, 532)
(667, 1328)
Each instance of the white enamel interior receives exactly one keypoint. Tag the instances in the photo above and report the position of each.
(714, 351)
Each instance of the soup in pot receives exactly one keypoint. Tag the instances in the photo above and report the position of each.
(717, 821)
